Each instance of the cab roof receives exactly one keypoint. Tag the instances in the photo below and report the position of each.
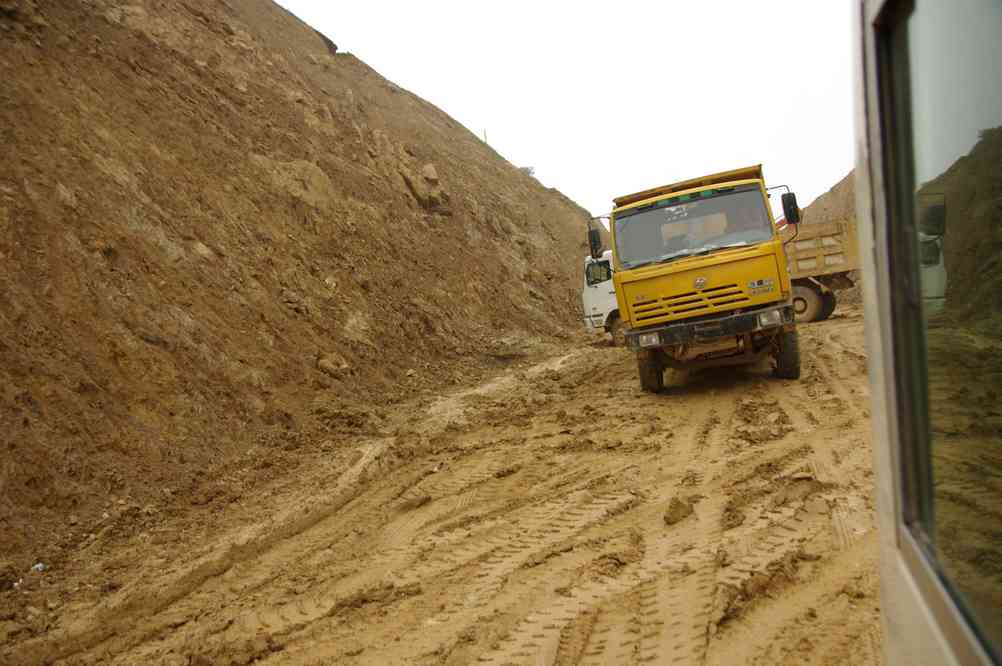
(745, 173)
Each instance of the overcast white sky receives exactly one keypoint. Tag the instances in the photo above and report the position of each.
(603, 99)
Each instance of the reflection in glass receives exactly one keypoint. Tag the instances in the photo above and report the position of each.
(956, 112)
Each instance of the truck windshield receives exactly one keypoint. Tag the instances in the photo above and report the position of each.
(674, 228)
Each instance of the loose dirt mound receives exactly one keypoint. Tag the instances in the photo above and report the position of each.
(838, 203)
(222, 242)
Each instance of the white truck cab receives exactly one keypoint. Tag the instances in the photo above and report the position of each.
(598, 297)
(932, 272)
(932, 263)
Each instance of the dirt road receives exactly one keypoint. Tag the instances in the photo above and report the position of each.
(553, 515)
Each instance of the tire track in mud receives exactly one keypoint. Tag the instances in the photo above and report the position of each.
(785, 530)
(798, 511)
(545, 542)
(329, 593)
(827, 393)
(678, 595)
(813, 408)
(657, 616)
(119, 620)
(510, 526)
(651, 613)
(845, 396)
(816, 622)
(394, 561)
(517, 564)
(284, 618)
(473, 567)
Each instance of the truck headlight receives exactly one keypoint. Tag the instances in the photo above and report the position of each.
(770, 318)
(649, 340)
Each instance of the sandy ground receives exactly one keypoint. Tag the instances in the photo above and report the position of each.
(552, 515)
(965, 378)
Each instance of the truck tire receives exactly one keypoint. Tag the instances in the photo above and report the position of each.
(787, 355)
(652, 373)
(618, 332)
(807, 303)
(827, 305)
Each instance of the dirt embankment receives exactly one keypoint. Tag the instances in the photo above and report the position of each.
(973, 242)
(555, 515)
(972, 190)
(837, 204)
(220, 242)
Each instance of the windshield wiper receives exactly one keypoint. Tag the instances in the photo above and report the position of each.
(663, 259)
(707, 249)
(681, 254)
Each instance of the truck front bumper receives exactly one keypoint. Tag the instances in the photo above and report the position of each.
(707, 330)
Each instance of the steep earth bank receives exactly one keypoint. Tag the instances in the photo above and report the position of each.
(221, 241)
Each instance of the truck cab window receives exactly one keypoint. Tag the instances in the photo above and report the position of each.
(929, 247)
(946, 226)
(598, 272)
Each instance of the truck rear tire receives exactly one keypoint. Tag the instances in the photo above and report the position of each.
(787, 355)
(807, 303)
(827, 305)
(652, 373)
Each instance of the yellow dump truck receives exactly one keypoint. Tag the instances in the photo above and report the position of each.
(701, 277)
(822, 259)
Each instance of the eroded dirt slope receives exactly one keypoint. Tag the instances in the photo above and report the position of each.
(837, 204)
(972, 190)
(217, 237)
(552, 515)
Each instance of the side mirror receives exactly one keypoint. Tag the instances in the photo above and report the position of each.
(595, 241)
(791, 211)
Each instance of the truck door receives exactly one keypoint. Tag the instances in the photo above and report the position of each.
(597, 290)
(929, 134)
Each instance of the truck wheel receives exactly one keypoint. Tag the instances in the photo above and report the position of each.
(787, 355)
(827, 305)
(807, 303)
(652, 374)
(618, 332)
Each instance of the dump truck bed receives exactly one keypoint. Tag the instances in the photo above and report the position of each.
(823, 249)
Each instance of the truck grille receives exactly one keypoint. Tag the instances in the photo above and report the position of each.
(690, 303)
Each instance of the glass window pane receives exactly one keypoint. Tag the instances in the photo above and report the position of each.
(954, 54)
(598, 272)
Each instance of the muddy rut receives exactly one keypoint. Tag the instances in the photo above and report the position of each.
(553, 515)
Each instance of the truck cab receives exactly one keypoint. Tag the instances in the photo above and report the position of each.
(701, 278)
(598, 297)
(931, 235)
